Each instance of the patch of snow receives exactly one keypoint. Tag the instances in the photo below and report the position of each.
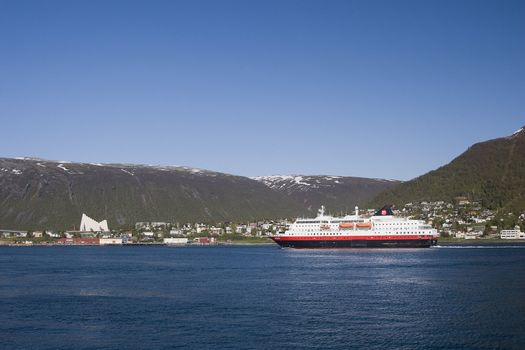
(282, 181)
(97, 164)
(61, 166)
(28, 158)
(384, 180)
(40, 164)
(127, 172)
(14, 171)
(192, 170)
(273, 178)
(159, 167)
(299, 180)
(517, 131)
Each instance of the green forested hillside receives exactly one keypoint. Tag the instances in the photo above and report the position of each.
(491, 172)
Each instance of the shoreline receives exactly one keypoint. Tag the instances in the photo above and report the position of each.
(138, 244)
(440, 243)
(482, 242)
(259, 241)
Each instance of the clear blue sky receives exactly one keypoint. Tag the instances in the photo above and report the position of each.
(369, 88)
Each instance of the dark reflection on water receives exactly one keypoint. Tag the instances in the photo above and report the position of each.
(261, 297)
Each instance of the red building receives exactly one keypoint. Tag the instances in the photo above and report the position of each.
(79, 241)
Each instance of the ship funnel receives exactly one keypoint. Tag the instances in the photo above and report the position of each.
(356, 210)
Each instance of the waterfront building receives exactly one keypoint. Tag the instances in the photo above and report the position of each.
(13, 233)
(110, 241)
(512, 234)
(175, 241)
(88, 224)
(204, 240)
(79, 241)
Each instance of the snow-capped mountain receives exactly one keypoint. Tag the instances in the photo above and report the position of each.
(338, 193)
(281, 182)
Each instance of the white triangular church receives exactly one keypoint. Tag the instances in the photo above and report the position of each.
(88, 224)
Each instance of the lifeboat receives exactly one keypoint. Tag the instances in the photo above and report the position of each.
(346, 225)
(363, 225)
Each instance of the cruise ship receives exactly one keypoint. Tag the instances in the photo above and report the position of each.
(382, 230)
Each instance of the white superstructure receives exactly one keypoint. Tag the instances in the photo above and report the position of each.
(381, 224)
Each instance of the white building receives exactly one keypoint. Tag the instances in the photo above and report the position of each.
(159, 224)
(88, 224)
(512, 234)
(215, 230)
(110, 241)
(473, 234)
(175, 240)
(460, 235)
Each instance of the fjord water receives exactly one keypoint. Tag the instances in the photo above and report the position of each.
(261, 297)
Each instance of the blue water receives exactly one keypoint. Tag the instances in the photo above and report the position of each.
(261, 297)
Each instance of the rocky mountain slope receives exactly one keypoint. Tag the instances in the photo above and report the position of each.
(491, 172)
(337, 193)
(52, 194)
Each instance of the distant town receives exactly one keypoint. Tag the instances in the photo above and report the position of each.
(460, 220)
(152, 232)
(465, 219)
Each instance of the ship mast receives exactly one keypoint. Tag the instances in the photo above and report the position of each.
(321, 211)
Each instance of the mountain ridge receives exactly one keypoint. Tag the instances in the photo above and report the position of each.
(36, 193)
(339, 193)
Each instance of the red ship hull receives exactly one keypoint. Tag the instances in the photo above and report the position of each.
(327, 242)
